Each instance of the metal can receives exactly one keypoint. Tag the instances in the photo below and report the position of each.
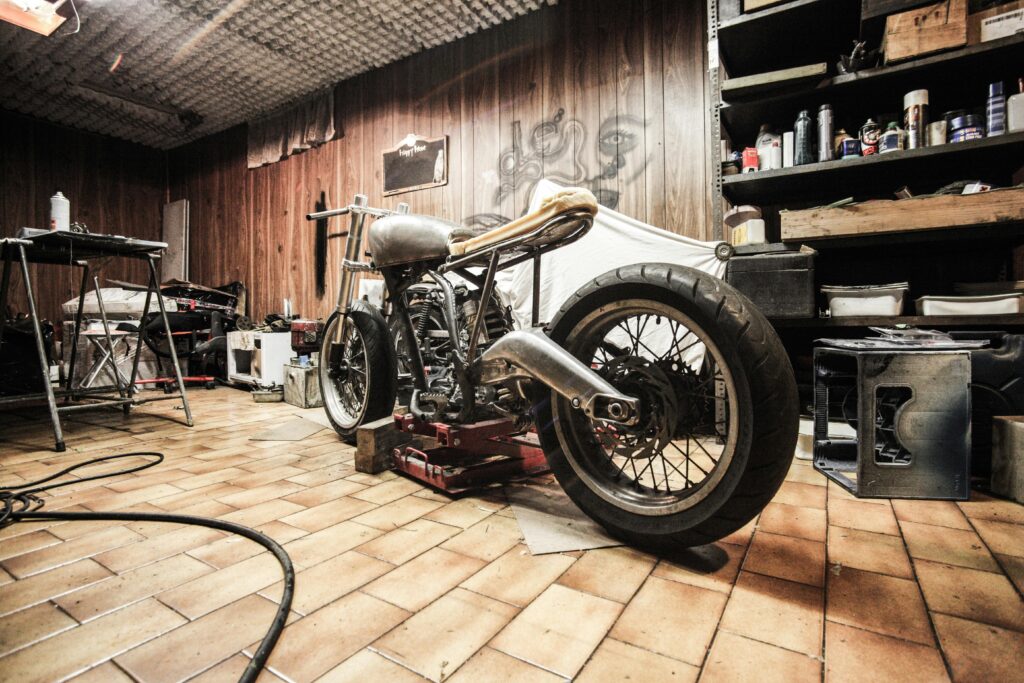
(870, 132)
(915, 118)
(892, 139)
(825, 152)
(850, 148)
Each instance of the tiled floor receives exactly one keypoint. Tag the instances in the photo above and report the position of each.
(397, 583)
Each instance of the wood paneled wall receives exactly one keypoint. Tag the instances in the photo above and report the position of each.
(114, 187)
(609, 94)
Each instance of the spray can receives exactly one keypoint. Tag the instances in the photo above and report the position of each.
(60, 212)
(995, 111)
(825, 149)
(915, 118)
(804, 142)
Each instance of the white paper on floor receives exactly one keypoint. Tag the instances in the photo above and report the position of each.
(317, 415)
(292, 430)
(551, 522)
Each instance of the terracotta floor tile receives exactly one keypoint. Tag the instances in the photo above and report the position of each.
(488, 539)
(422, 580)
(108, 672)
(863, 515)
(464, 512)
(28, 542)
(132, 586)
(879, 603)
(1013, 566)
(114, 501)
(198, 645)
(615, 661)
(937, 512)
(80, 548)
(324, 493)
(803, 473)
(388, 491)
(251, 480)
(948, 546)
(324, 475)
(82, 647)
(742, 535)
(671, 618)
(367, 665)
(613, 573)
(785, 557)
(837, 492)
(735, 658)
(804, 495)
(262, 513)
(473, 619)
(231, 670)
(853, 655)
(212, 591)
(261, 494)
(404, 543)
(993, 509)
(334, 633)
(573, 624)
(31, 625)
(712, 566)
(980, 652)
(398, 513)
(775, 611)
(153, 549)
(1001, 537)
(971, 594)
(492, 665)
(866, 550)
(326, 582)
(791, 520)
(234, 548)
(48, 585)
(322, 545)
(328, 514)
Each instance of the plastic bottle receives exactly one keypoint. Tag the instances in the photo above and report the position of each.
(995, 109)
(1015, 109)
(804, 146)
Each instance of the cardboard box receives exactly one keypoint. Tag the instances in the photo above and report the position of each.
(933, 28)
(995, 22)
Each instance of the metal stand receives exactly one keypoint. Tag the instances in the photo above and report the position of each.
(70, 393)
(469, 456)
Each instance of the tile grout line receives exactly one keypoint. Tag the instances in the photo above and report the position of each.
(995, 556)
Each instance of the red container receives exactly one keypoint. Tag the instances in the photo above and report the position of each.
(306, 335)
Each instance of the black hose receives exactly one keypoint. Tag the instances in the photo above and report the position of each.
(21, 503)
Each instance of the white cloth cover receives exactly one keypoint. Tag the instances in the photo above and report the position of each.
(614, 241)
(309, 123)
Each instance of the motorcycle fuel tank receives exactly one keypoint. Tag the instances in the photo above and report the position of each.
(407, 238)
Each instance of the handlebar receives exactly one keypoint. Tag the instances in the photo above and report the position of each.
(357, 208)
(317, 215)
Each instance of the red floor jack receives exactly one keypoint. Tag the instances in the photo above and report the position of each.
(469, 456)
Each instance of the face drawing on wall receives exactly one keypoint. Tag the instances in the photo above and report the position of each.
(559, 148)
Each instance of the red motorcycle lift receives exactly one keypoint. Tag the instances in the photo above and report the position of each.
(467, 457)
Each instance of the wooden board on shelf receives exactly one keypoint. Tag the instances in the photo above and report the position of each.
(749, 85)
(883, 216)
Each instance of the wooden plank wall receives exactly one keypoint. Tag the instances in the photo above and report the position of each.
(114, 186)
(604, 93)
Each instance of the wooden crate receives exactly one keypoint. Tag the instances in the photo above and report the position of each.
(883, 216)
(974, 20)
(932, 28)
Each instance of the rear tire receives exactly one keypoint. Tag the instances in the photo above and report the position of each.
(762, 409)
(365, 390)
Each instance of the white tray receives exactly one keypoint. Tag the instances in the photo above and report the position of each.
(995, 304)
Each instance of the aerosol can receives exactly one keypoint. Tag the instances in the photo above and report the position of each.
(60, 212)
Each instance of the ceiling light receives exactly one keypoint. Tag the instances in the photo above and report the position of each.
(36, 15)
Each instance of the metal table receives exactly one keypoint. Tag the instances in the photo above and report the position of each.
(77, 250)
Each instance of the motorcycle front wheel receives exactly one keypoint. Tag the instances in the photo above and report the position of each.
(361, 387)
(718, 407)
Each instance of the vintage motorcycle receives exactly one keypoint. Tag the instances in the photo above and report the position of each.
(663, 400)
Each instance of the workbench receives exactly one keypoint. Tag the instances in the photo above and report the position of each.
(77, 250)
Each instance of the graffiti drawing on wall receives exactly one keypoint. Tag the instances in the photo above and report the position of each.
(558, 148)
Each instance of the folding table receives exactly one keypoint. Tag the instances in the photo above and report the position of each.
(76, 249)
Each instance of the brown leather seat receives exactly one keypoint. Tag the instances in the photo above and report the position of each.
(565, 200)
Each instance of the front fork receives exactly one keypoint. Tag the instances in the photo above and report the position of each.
(348, 280)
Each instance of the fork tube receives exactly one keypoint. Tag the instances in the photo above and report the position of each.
(352, 247)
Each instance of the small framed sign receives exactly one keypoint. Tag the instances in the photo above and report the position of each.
(416, 164)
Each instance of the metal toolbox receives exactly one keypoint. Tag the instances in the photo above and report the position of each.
(302, 386)
(912, 414)
(781, 285)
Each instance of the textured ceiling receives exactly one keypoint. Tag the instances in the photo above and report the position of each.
(188, 69)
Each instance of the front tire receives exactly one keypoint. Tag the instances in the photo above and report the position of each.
(720, 407)
(362, 387)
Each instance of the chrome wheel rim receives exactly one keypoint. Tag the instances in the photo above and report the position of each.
(344, 388)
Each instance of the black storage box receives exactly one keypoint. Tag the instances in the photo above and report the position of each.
(780, 285)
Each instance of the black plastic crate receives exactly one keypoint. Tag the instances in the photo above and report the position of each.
(780, 285)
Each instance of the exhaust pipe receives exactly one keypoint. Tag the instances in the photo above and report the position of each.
(531, 354)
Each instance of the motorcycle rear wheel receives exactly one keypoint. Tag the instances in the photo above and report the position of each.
(717, 430)
(362, 388)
